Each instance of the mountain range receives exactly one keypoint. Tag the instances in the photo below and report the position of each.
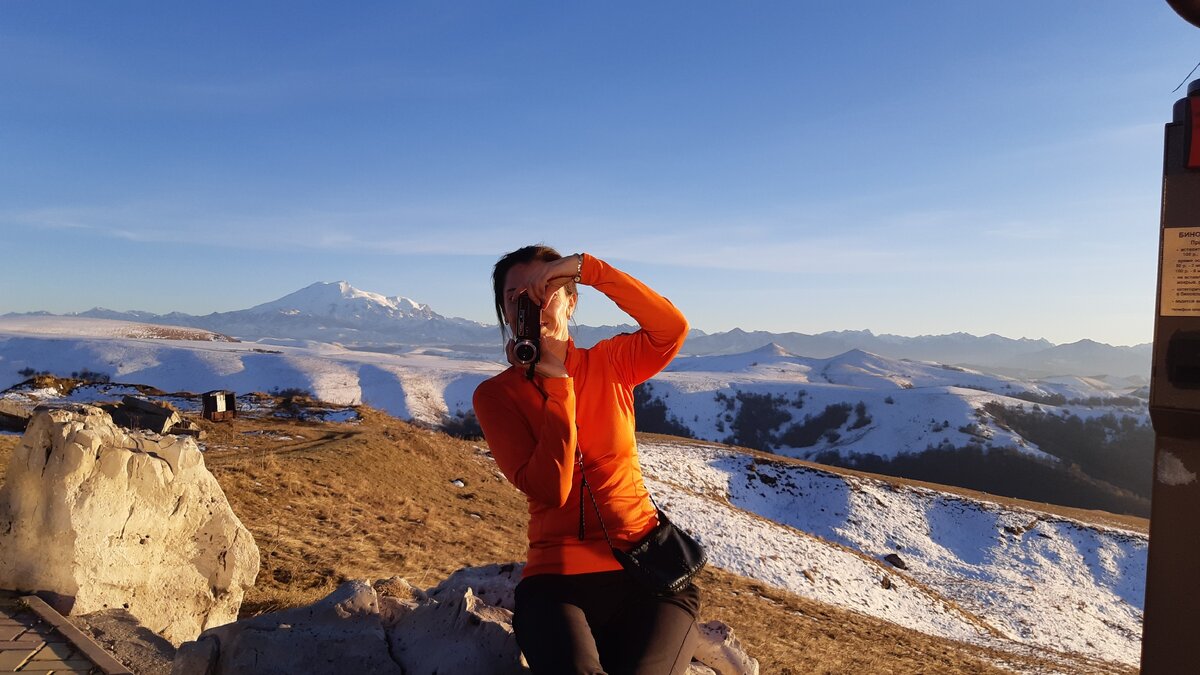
(339, 313)
(905, 417)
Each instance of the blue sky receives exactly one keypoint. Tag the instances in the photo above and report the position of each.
(909, 168)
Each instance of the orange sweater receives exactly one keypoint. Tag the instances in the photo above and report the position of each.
(534, 439)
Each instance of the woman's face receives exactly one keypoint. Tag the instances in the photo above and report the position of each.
(556, 312)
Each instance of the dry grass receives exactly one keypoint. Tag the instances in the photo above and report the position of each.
(372, 500)
(7, 443)
(177, 333)
(376, 499)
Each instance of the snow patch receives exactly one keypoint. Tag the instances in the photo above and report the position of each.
(1172, 471)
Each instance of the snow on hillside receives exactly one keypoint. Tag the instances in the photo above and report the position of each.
(419, 387)
(889, 406)
(897, 406)
(1012, 577)
(50, 326)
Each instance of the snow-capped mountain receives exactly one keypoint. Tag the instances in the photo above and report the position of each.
(334, 312)
(341, 302)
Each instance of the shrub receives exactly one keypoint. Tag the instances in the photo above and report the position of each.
(798, 399)
(862, 419)
(292, 400)
(651, 414)
(807, 433)
(463, 424)
(86, 375)
(1035, 397)
(721, 397)
(1115, 401)
(757, 418)
(1001, 471)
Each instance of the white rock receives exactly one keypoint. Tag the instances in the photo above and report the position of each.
(397, 597)
(339, 634)
(459, 633)
(494, 584)
(721, 651)
(102, 518)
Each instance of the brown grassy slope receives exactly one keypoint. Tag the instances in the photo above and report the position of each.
(371, 500)
(375, 500)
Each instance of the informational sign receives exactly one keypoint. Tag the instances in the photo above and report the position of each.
(1180, 272)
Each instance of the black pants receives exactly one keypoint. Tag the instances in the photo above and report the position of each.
(604, 623)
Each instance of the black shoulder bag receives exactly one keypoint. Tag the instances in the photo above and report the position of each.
(664, 561)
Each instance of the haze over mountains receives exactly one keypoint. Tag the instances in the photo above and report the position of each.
(340, 313)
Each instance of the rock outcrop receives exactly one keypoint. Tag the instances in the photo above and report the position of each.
(102, 518)
(343, 633)
(12, 416)
(137, 413)
(463, 625)
(722, 652)
(460, 633)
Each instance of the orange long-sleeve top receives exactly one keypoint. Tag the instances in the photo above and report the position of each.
(534, 437)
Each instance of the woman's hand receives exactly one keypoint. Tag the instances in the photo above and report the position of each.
(548, 364)
(548, 277)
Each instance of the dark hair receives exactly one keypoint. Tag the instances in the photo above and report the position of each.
(526, 254)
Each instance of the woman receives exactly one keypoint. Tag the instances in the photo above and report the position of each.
(577, 610)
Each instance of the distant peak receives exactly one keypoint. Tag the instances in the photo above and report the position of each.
(857, 354)
(326, 297)
(865, 332)
(771, 349)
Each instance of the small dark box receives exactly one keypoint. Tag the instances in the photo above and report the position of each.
(220, 405)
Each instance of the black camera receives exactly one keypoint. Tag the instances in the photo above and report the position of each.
(528, 345)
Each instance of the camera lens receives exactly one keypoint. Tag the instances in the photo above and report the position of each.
(525, 351)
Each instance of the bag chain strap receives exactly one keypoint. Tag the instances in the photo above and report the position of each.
(583, 482)
(583, 485)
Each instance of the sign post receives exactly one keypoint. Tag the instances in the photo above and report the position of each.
(1171, 622)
